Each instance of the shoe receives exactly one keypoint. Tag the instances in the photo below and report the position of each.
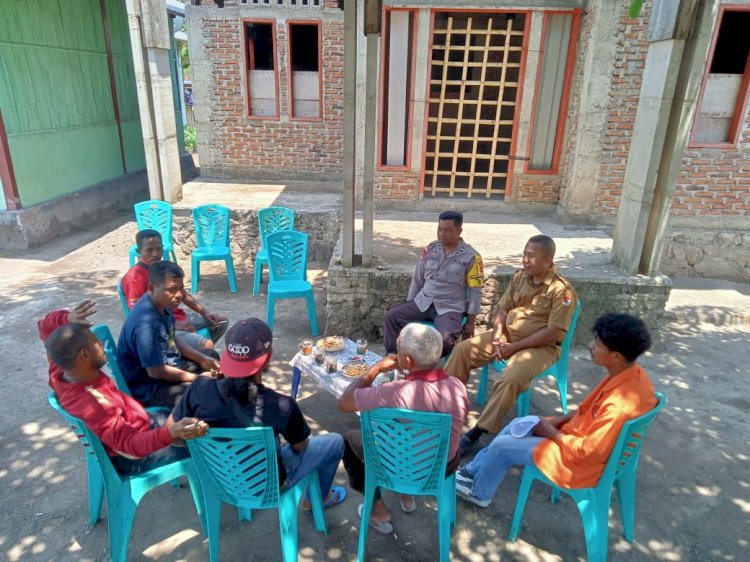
(466, 445)
(338, 495)
(465, 477)
(382, 527)
(406, 509)
(465, 493)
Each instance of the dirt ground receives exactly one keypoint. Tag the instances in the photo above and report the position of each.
(693, 498)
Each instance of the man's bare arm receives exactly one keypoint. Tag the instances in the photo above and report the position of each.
(169, 373)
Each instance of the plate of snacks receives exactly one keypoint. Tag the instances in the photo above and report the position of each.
(331, 344)
(355, 369)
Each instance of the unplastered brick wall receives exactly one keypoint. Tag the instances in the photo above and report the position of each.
(240, 146)
(630, 61)
(715, 181)
(535, 188)
(399, 186)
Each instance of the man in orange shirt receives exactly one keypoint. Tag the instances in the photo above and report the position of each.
(572, 450)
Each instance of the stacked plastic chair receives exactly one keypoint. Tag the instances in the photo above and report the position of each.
(593, 503)
(156, 215)
(270, 220)
(407, 452)
(123, 492)
(287, 267)
(239, 467)
(559, 370)
(101, 331)
(212, 234)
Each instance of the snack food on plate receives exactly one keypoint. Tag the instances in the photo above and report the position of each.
(331, 343)
(355, 369)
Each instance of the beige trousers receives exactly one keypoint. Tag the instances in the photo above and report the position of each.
(516, 378)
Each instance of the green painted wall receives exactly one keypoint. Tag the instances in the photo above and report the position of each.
(56, 99)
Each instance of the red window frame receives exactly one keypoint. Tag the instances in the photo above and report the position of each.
(742, 96)
(247, 61)
(290, 70)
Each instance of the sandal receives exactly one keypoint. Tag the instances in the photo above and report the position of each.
(382, 527)
(337, 496)
(406, 509)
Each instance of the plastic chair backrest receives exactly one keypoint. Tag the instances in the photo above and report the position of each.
(156, 215)
(240, 465)
(123, 300)
(90, 442)
(211, 225)
(628, 446)
(287, 255)
(102, 332)
(406, 451)
(273, 219)
(568, 340)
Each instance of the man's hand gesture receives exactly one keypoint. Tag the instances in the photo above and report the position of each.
(82, 311)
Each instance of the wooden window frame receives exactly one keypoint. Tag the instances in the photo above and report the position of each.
(290, 70)
(410, 106)
(735, 128)
(244, 22)
(575, 29)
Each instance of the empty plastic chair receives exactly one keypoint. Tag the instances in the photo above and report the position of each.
(287, 267)
(593, 503)
(270, 220)
(212, 234)
(239, 467)
(156, 215)
(102, 332)
(559, 370)
(123, 492)
(407, 452)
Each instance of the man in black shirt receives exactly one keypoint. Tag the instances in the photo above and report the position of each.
(241, 400)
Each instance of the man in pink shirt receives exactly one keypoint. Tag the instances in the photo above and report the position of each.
(426, 388)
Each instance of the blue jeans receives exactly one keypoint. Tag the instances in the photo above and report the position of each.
(492, 463)
(322, 453)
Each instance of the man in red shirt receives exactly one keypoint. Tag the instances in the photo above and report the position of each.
(572, 450)
(135, 439)
(135, 284)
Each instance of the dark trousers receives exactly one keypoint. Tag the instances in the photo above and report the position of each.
(399, 315)
(354, 462)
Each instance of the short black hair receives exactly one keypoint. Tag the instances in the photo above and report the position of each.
(545, 242)
(144, 235)
(160, 270)
(455, 216)
(65, 342)
(623, 333)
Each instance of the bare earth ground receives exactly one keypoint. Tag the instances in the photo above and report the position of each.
(693, 486)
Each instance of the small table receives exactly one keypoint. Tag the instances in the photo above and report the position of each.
(334, 383)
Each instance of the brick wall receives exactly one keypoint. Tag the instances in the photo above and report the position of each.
(240, 145)
(536, 188)
(398, 186)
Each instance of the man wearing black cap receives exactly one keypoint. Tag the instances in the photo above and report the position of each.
(241, 400)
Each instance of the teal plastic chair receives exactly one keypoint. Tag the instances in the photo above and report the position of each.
(102, 332)
(212, 233)
(593, 503)
(287, 266)
(123, 492)
(559, 370)
(156, 215)
(239, 467)
(270, 220)
(407, 452)
(123, 300)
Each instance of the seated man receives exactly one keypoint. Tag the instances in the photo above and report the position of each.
(135, 439)
(427, 388)
(241, 400)
(530, 324)
(573, 450)
(135, 285)
(446, 286)
(156, 364)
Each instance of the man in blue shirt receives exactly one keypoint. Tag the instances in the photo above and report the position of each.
(157, 365)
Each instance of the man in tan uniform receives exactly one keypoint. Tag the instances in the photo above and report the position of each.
(531, 321)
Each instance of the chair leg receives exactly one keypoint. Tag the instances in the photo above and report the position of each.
(120, 514)
(213, 522)
(595, 514)
(230, 274)
(523, 495)
(270, 303)
(173, 255)
(625, 485)
(200, 505)
(316, 501)
(312, 313)
(96, 491)
(524, 403)
(444, 531)
(561, 377)
(257, 276)
(482, 391)
(245, 513)
(195, 273)
(288, 523)
(364, 523)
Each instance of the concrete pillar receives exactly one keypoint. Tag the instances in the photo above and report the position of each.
(665, 110)
(350, 97)
(370, 152)
(596, 83)
(150, 42)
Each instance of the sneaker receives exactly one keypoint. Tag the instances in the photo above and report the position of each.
(464, 492)
(465, 477)
(466, 445)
